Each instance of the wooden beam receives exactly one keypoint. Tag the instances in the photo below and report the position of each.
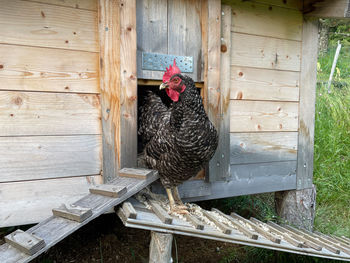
(307, 103)
(25, 242)
(213, 82)
(109, 35)
(327, 8)
(160, 247)
(128, 84)
(72, 212)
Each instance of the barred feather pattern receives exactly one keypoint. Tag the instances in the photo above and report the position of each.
(180, 140)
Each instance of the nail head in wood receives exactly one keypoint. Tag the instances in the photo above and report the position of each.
(109, 190)
(135, 173)
(72, 212)
(194, 221)
(25, 242)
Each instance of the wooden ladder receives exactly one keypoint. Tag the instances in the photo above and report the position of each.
(23, 246)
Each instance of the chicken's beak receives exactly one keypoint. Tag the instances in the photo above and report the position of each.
(163, 86)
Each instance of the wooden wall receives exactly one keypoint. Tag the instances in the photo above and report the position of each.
(50, 133)
(265, 72)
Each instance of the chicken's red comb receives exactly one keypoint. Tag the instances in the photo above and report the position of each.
(172, 70)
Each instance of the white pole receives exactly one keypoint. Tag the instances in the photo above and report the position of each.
(333, 66)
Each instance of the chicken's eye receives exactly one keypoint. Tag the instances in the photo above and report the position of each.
(176, 80)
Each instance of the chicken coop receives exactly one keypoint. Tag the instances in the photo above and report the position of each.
(72, 72)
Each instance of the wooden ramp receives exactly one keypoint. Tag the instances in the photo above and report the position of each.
(151, 215)
(24, 246)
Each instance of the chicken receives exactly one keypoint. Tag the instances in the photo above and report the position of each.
(178, 140)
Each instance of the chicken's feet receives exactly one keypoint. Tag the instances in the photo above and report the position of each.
(178, 200)
(175, 208)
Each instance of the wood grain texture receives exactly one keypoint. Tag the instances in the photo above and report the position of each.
(266, 20)
(36, 24)
(259, 116)
(44, 157)
(79, 4)
(128, 84)
(152, 33)
(265, 52)
(109, 35)
(28, 207)
(264, 84)
(291, 4)
(263, 147)
(219, 165)
(184, 32)
(307, 104)
(46, 69)
(160, 247)
(33, 113)
(329, 9)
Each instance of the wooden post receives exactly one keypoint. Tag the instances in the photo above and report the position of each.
(160, 247)
(297, 207)
(118, 82)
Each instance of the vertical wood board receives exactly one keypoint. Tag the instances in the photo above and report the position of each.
(79, 4)
(327, 9)
(184, 32)
(37, 198)
(263, 147)
(265, 52)
(34, 113)
(128, 84)
(43, 157)
(264, 84)
(46, 69)
(219, 166)
(43, 25)
(152, 32)
(266, 20)
(259, 116)
(307, 104)
(109, 35)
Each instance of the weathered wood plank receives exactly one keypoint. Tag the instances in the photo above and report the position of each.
(79, 4)
(46, 69)
(194, 221)
(27, 243)
(307, 104)
(264, 84)
(33, 113)
(108, 190)
(184, 32)
(305, 241)
(54, 229)
(160, 212)
(284, 236)
(263, 147)
(109, 35)
(239, 226)
(45, 25)
(212, 78)
(257, 228)
(129, 210)
(265, 52)
(152, 33)
(219, 166)
(138, 173)
(329, 9)
(29, 207)
(44, 157)
(266, 20)
(72, 212)
(128, 84)
(292, 4)
(258, 116)
(225, 229)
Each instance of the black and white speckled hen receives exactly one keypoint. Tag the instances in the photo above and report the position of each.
(179, 140)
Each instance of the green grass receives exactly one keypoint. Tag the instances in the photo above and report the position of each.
(332, 146)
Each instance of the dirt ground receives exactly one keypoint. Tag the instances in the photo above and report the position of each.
(106, 239)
